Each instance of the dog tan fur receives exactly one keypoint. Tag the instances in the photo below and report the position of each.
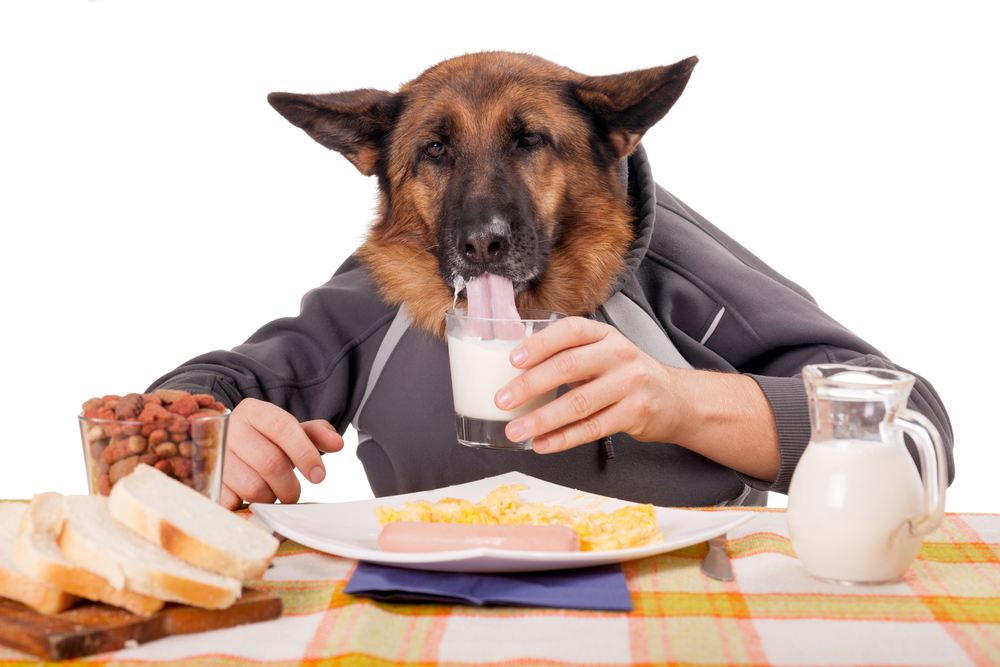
(495, 162)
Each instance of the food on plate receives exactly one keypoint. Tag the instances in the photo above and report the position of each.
(631, 526)
(423, 536)
(178, 433)
(16, 585)
(177, 518)
(37, 554)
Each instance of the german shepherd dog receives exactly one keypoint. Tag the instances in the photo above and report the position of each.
(496, 163)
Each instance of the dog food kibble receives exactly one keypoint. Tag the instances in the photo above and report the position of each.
(177, 432)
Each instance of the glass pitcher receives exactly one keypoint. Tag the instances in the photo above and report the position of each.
(857, 507)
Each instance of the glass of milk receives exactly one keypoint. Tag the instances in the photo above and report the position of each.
(858, 508)
(479, 353)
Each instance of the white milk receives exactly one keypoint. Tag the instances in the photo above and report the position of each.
(848, 506)
(478, 369)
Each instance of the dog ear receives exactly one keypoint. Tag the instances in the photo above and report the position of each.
(629, 104)
(351, 123)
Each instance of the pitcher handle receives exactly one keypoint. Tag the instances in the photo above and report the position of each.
(933, 466)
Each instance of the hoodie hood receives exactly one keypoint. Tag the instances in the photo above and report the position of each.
(641, 191)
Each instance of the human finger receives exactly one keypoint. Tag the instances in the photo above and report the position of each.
(560, 335)
(594, 427)
(245, 483)
(228, 498)
(589, 351)
(573, 367)
(577, 416)
(284, 430)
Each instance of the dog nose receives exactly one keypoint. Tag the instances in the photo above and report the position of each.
(484, 248)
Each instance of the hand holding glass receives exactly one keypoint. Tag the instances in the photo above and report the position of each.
(479, 352)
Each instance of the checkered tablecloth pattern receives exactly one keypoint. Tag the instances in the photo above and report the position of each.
(945, 612)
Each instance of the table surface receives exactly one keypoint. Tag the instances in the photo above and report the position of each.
(946, 611)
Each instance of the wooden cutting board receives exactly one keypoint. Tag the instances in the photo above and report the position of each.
(94, 628)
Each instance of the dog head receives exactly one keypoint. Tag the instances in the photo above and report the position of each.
(495, 163)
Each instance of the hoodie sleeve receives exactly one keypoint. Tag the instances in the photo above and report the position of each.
(727, 310)
(314, 365)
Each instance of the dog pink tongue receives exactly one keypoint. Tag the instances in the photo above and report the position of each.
(492, 297)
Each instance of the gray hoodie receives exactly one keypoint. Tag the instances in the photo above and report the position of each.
(720, 307)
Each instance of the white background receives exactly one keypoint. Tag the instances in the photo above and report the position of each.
(155, 207)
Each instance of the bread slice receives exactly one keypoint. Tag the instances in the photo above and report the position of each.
(189, 525)
(36, 553)
(16, 585)
(93, 539)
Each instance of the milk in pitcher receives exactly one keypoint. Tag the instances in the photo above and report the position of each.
(849, 507)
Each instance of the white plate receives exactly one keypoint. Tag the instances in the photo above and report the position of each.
(351, 530)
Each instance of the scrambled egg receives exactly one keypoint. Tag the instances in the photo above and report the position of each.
(631, 526)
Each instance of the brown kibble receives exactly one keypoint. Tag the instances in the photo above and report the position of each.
(118, 449)
(137, 444)
(168, 396)
(203, 400)
(183, 406)
(166, 450)
(201, 480)
(182, 466)
(202, 428)
(122, 468)
(131, 428)
(170, 429)
(97, 448)
(129, 407)
(155, 412)
(103, 485)
(178, 426)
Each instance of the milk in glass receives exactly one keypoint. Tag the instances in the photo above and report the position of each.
(479, 355)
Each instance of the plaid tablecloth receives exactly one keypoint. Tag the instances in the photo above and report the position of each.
(945, 612)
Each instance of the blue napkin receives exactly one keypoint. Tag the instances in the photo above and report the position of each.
(601, 588)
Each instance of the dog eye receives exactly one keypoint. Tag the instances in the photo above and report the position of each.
(435, 149)
(529, 140)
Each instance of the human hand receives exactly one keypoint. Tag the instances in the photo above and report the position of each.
(263, 445)
(614, 387)
(617, 388)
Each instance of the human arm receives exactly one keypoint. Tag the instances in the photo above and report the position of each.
(293, 387)
(730, 314)
(617, 388)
